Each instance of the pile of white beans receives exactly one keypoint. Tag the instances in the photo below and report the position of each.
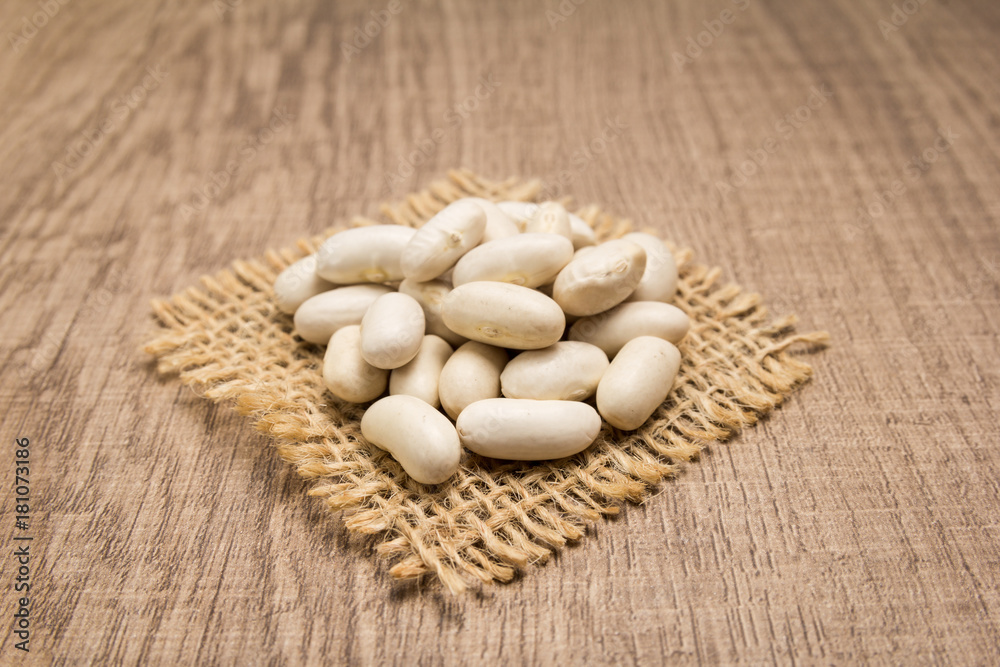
(469, 313)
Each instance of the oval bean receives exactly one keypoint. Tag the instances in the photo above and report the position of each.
(392, 330)
(420, 377)
(430, 295)
(600, 278)
(297, 283)
(637, 381)
(320, 316)
(612, 329)
(659, 280)
(436, 246)
(504, 315)
(567, 371)
(499, 225)
(419, 437)
(526, 430)
(345, 372)
(364, 255)
(527, 259)
(471, 374)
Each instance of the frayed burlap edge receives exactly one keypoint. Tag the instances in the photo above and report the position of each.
(227, 340)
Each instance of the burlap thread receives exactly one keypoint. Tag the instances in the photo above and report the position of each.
(227, 339)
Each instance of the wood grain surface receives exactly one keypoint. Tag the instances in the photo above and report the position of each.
(839, 157)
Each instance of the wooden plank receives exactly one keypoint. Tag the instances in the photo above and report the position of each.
(858, 524)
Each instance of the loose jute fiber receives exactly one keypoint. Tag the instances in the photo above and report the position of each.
(229, 341)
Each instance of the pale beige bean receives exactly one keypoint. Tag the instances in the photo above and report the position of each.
(550, 218)
(637, 381)
(419, 437)
(430, 295)
(600, 278)
(392, 330)
(297, 283)
(499, 225)
(612, 329)
(566, 371)
(420, 377)
(521, 211)
(364, 255)
(526, 430)
(504, 315)
(345, 372)
(527, 259)
(659, 280)
(436, 246)
(320, 316)
(471, 374)
(583, 234)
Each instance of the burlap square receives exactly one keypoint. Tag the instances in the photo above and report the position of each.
(228, 341)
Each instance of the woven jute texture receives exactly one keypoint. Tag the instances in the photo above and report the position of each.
(228, 341)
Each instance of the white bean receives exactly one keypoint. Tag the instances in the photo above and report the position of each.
(392, 330)
(363, 255)
(498, 224)
(436, 246)
(550, 218)
(567, 371)
(637, 381)
(659, 280)
(526, 430)
(320, 316)
(419, 437)
(504, 315)
(345, 372)
(527, 259)
(471, 374)
(612, 329)
(600, 278)
(521, 211)
(297, 283)
(420, 377)
(430, 295)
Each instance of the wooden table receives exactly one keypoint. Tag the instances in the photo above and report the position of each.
(839, 157)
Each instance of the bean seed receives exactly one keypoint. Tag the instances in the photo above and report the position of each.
(471, 374)
(320, 316)
(419, 437)
(637, 381)
(420, 377)
(436, 246)
(612, 329)
(504, 315)
(363, 255)
(600, 278)
(567, 371)
(392, 330)
(527, 430)
(345, 372)
(527, 259)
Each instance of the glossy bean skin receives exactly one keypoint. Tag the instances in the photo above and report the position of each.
(659, 280)
(298, 283)
(528, 259)
(436, 246)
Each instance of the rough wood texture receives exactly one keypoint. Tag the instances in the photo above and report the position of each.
(857, 524)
